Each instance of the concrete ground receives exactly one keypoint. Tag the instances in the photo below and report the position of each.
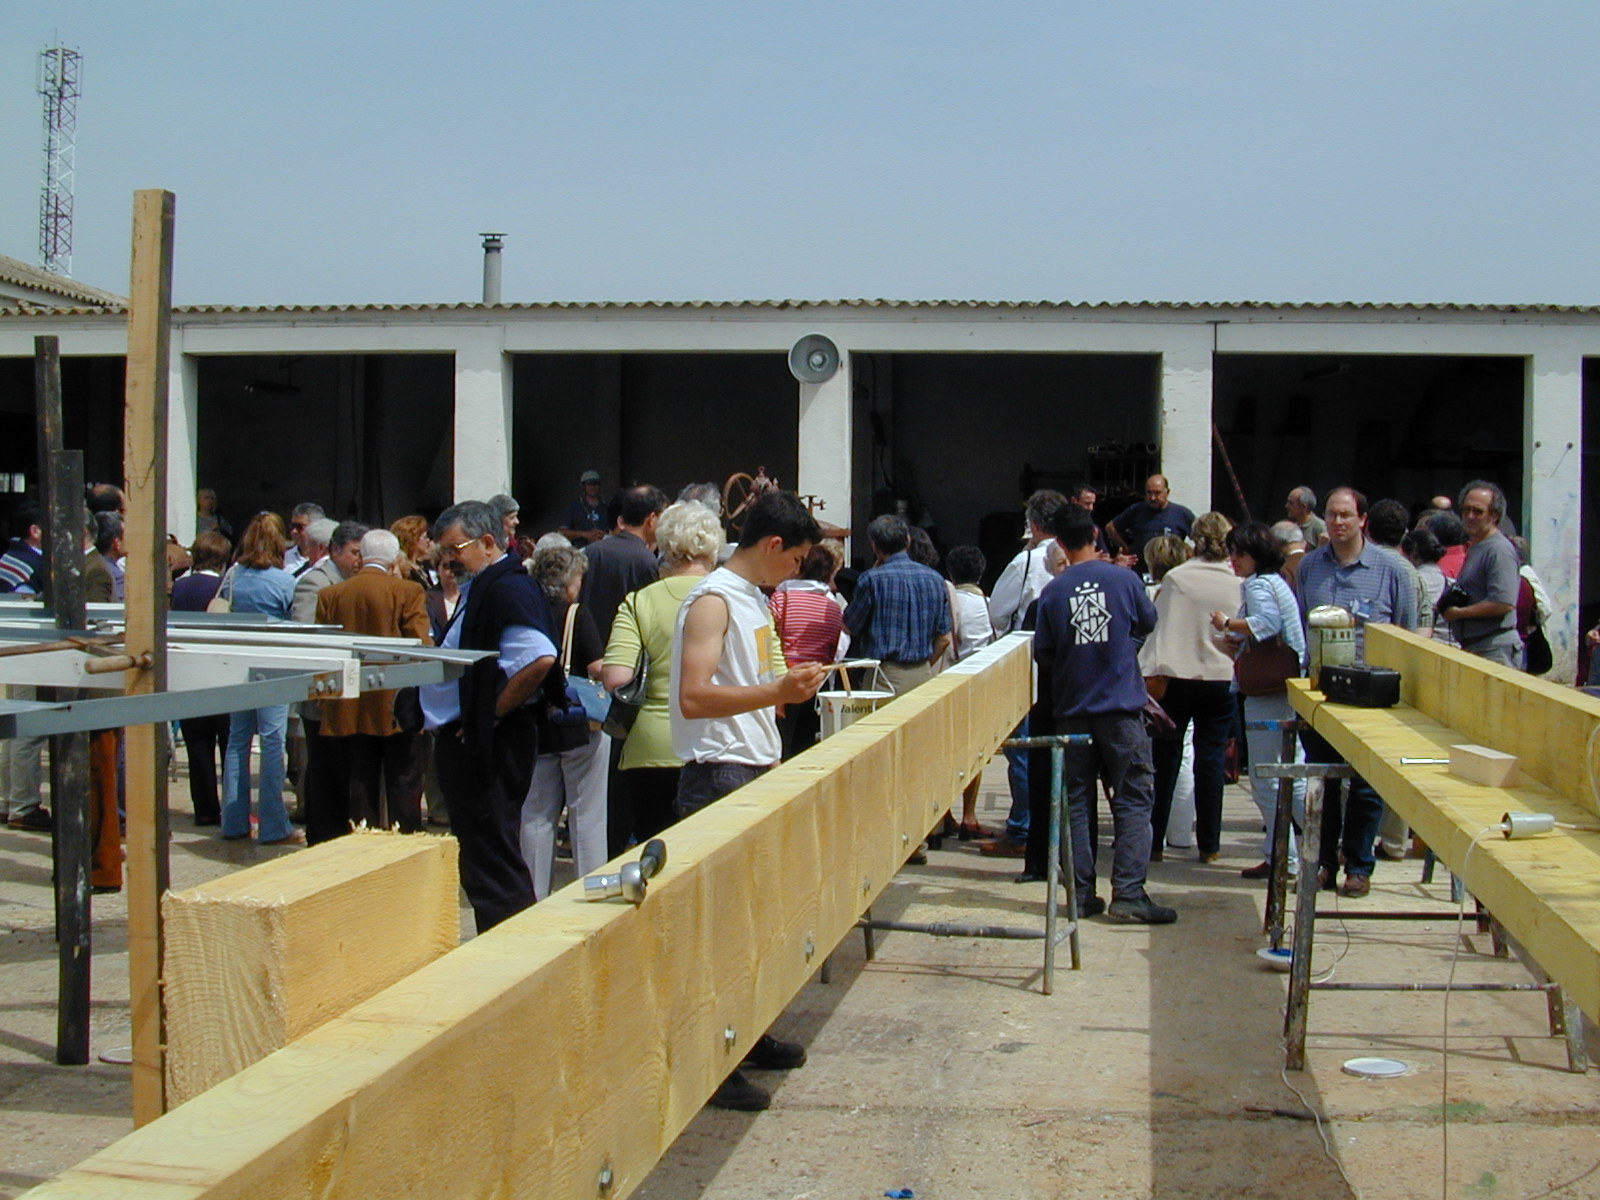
(940, 1068)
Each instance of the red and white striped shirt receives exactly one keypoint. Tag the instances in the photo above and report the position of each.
(808, 621)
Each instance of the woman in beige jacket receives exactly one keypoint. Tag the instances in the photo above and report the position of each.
(1198, 668)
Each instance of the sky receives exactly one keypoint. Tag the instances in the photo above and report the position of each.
(351, 152)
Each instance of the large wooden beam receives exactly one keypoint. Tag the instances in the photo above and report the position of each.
(580, 1038)
(1543, 890)
(265, 955)
(1546, 725)
(144, 459)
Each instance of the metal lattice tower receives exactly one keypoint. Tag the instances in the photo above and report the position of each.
(59, 85)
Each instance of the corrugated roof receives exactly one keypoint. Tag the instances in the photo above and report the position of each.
(15, 271)
(119, 305)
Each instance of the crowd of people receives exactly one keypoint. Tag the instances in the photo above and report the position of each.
(637, 665)
(1167, 670)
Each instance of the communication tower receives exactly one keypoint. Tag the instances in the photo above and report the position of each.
(59, 74)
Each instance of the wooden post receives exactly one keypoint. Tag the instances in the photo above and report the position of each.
(69, 756)
(145, 598)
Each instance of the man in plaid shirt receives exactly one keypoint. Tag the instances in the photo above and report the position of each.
(901, 612)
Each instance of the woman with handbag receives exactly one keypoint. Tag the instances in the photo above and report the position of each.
(258, 583)
(1271, 650)
(574, 754)
(1199, 673)
(688, 537)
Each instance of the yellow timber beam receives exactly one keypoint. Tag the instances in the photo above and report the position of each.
(575, 1041)
(1545, 890)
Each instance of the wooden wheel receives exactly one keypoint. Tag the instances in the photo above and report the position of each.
(738, 494)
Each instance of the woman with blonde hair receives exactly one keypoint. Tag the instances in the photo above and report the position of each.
(1197, 664)
(688, 536)
(257, 583)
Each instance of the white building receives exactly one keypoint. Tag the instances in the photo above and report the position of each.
(958, 409)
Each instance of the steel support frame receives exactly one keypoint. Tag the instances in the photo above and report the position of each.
(1060, 848)
(1566, 1021)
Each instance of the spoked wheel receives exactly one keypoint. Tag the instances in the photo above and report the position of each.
(738, 494)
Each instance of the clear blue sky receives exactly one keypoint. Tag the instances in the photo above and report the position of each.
(337, 152)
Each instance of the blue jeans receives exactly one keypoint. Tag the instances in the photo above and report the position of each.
(1350, 816)
(269, 724)
(1017, 777)
(1121, 753)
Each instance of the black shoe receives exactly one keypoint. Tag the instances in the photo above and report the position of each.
(1028, 877)
(35, 820)
(1091, 906)
(740, 1095)
(769, 1054)
(1261, 870)
(1143, 911)
(1327, 879)
(106, 889)
(202, 821)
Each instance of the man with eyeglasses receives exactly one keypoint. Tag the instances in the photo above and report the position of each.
(483, 728)
(298, 559)
(1487, 624)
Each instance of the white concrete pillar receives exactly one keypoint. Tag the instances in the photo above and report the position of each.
(1552, 470)
(825, 443)
(482, 457)
(183, 441)
(1184, 423)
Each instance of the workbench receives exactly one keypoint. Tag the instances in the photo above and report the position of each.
(1544, 891)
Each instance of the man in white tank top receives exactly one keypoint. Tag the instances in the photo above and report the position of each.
(728, 679)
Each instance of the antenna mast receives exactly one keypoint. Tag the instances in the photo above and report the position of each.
(59, 85)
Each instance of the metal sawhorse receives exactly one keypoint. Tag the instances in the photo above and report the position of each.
(1566, 1021)
(1053, 933)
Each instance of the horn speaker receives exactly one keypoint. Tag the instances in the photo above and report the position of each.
(813, 359)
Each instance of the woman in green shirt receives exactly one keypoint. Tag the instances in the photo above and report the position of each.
(688, 536)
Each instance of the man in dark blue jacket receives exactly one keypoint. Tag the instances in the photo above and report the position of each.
(1090, 617)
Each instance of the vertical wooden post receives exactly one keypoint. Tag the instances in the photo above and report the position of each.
(145, 587)
(69, 765)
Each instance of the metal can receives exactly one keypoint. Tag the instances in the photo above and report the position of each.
(1332, 637)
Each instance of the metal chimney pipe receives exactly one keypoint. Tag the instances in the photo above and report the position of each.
(492, 245)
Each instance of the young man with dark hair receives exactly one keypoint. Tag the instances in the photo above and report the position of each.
(728, 680)
(1090, 617)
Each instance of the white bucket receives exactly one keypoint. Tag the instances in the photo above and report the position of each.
(844, 708)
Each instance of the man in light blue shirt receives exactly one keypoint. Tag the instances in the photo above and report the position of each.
(1357, 574)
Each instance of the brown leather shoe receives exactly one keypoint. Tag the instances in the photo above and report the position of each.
(1004, 848)
(1262, 870)
(1355, 886)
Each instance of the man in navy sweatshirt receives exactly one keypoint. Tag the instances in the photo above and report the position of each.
(1090, 617)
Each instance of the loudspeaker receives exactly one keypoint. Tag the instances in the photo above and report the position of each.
(813, 359)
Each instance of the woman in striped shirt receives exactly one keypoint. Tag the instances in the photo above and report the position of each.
(809, 621)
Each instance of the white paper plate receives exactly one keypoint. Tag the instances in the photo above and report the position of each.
(1376, 1068)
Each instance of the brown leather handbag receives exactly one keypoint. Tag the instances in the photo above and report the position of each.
(1264, 668)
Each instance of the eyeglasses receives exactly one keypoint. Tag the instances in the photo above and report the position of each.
(295, 526)
(460, 546)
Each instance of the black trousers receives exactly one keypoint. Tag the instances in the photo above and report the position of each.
(485, 793)
(323, 790)
(203, 741)
(653, 792)
(363, 766)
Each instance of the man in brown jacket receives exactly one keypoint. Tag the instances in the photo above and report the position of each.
(361, 737)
